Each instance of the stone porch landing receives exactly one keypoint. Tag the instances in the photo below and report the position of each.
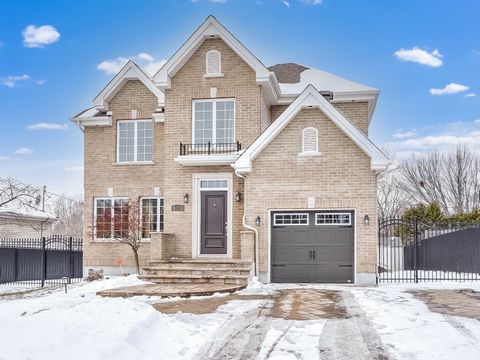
(171, 290)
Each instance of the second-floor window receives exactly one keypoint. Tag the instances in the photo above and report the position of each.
(134, 141)
(214, 121)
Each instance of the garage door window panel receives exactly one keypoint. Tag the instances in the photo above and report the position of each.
(291, 219)
(333, 219)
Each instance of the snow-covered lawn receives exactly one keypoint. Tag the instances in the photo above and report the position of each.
(81, 325)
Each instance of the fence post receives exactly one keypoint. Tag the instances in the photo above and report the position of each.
(44, 261)
(415, 244)
(72, 259)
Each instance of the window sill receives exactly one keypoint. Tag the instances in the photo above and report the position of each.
(213, 75)
(133, 163)
(309, 153)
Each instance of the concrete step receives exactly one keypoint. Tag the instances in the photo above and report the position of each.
(194, 270)
(201, 263)
(196, 279)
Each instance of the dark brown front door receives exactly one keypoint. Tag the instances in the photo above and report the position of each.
(213, 222)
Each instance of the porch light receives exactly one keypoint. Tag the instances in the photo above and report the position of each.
(257, 221)
(238, 197)
(185, 198)
(366, 220)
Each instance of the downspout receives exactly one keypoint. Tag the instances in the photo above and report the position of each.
(251, 228)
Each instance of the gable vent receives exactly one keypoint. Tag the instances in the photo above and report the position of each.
(310, 140)
(213, 63)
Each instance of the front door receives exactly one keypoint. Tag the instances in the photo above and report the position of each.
(213, 222)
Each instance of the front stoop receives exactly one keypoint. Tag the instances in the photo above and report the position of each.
(198, 271)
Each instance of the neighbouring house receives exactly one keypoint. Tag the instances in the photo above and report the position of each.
(236, 166)
(24, 221)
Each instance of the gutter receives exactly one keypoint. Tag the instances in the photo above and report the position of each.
(251, 228)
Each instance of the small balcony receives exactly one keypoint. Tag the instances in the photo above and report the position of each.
(208, 154)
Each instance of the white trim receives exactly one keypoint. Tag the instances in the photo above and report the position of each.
(130, 71)
(291, 213)
(311, 98)
(207, 160)
(333, 224)
(269, 239)
(158, 198)
(214, 116)
(112, 198)
(316, 141)
(136, 121)
(93, 121)
(196, 178)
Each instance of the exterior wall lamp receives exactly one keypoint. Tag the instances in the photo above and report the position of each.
(185, 198)
(366, 220)
(257, 221)
(238, 196)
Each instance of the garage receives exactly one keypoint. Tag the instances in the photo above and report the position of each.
(312, 246)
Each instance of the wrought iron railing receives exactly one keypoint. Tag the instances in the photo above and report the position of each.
(209, 148)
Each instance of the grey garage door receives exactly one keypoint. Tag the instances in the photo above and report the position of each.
(312, 246)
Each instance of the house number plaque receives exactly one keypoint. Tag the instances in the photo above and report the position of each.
(178, 208)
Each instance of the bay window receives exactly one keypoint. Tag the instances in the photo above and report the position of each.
(152, 216)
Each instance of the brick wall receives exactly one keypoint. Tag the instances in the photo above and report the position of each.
(102, 172)
(340, 177)
(188, 84)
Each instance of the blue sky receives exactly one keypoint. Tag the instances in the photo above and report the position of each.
(55, 56)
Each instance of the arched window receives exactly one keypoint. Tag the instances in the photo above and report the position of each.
(213, 63)
(309, 140)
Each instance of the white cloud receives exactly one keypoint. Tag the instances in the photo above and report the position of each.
(433, 59)
(312, 2)
(11, 81)
(451, 88)
(3, 158)
(286, 3)
(37, 37)
(404, 134)
(145, 57)
(23, 151)
(470, 95)
(47, 126)
(40, 82)
(146, 61)
(73, 168)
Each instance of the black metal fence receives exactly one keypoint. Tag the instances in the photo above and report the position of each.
(209, 148)
(412, 251)
(41, 261)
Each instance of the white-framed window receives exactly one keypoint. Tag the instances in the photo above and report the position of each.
(213, 63)
(111, 217)
(134, 141)
(310, 140)
(152, 214)
(213, 121)
(333, 219)
(213, 184)
(290, 219)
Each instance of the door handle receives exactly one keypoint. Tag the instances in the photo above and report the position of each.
(310, 255)
(314, 255)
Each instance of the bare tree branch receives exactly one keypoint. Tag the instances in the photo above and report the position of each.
(12, 189)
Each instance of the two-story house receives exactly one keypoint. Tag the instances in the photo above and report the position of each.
(234, 164)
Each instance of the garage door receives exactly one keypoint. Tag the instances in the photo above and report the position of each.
(312, 246)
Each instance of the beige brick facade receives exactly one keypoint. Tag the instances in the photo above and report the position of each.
(339, 178)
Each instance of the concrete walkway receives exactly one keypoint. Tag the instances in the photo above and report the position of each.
(170, 290)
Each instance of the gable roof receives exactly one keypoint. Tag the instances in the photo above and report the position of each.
(212, 28)
(311, 98)
(130, 71)
(288, 73)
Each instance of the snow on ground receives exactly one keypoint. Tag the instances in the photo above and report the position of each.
(81, 325)
(411, 331)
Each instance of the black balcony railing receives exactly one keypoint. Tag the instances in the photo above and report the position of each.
(209, 148)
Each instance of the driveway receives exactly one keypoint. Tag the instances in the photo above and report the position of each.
(302, 323)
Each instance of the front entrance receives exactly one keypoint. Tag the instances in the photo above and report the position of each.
(213, 222)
